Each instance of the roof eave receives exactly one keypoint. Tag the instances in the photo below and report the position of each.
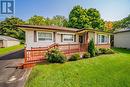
(47, 29)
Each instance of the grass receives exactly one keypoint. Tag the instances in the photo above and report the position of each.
(10, 49)
(102, 71)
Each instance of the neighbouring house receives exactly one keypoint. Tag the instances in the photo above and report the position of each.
(68, 40)
(122, 38)
(6, 41)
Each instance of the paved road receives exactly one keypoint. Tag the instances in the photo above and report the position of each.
(10, 76)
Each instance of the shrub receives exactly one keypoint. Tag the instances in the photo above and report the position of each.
(91, 48)
(106, 51)
(55, 56)
(74, 57)
(97, 52)
(86, 55)
(103, 50)
(109, 51)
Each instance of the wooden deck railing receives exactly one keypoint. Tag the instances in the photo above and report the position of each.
(38, 54)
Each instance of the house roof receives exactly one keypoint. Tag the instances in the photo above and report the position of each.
(123, 30)
(48, 28)
(7, 38)
(56, 28)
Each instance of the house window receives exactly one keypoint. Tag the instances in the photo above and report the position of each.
(68, 38)
(45, 36)
(102, 39)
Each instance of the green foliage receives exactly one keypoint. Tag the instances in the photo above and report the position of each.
(103, 50)
(83, 18)
(74, 57)
(36, 20)
(59, 21)
(110, 51)
(106, 51)
(55, 21)
(124, 23)
(86, 55)
(55, 56)
(8, 28)
(97, 52)
(91, 48)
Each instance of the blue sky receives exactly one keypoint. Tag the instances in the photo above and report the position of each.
(110, 10)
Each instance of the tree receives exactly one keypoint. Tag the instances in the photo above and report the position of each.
(109, 25)
(8, 27)
(83, 18)
(124, 23)
(78, 18)
(91, 48)
(36, 20)
(95, 19)
(59, 21)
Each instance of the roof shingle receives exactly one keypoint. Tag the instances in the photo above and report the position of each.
(7, 38)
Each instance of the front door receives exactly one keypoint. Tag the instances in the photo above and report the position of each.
(81, 39)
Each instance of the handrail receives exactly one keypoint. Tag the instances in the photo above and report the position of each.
(39, 52)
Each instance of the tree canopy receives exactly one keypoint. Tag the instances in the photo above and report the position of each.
(124, 23)
(8, 27)
(85, 18)
(57, 21)
(36, 20)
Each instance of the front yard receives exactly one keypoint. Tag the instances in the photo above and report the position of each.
(102, 71)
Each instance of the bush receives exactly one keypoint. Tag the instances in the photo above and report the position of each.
(91, 48)
(97, 52)
(86, 55)
(103, 50)
(74, 57)
(55, 56)
(110, 51)
(106, 51)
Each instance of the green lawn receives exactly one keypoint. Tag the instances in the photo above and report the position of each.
(102, 71)
(10, 49)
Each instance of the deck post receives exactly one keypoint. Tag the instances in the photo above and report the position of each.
(69, 48)
(25, 55)
(79, 47)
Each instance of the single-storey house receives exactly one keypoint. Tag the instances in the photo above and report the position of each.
(68, 40)
(6, 41)
(122, 38)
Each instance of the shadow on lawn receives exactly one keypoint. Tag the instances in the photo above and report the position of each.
(14, 55)
(122, 50)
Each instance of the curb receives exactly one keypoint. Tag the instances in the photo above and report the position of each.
(26, 75)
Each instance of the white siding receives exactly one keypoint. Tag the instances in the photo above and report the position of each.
(12, 43)
(94, 35)
(91, 35)
(1, 43)
(122, 40)
(30, 40)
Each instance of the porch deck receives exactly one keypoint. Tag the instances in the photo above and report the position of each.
(37, 54)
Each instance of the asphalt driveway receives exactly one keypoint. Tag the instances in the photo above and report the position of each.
(10, 76)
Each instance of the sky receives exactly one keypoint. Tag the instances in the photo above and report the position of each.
(110, 10)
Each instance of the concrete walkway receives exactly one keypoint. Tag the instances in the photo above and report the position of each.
(10, 76)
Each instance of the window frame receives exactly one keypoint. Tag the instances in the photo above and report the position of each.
(64, 37)
(45, 40)
(100, 39)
